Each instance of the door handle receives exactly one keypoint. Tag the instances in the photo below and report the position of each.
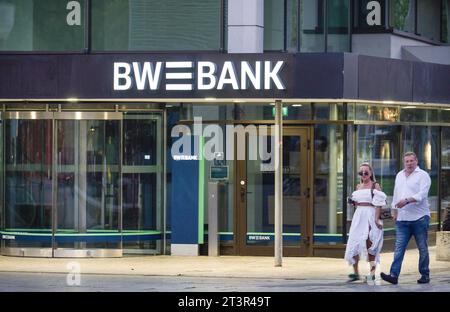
(306, 240)
(243, 193)
(306, 193)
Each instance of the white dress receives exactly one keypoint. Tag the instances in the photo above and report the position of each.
(363, 227)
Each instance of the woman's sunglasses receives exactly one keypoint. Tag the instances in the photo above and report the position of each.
(363, 173)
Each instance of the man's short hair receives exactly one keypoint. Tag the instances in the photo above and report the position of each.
(410, 154)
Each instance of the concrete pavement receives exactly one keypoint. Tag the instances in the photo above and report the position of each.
(298, 268)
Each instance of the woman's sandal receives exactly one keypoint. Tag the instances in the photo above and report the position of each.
(370, 279)
(353, 277)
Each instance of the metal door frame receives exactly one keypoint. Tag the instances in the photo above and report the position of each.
(305, 248)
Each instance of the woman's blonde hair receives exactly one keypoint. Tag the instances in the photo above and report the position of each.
(372, 177)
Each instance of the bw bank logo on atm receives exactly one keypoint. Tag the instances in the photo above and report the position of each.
(201, 75)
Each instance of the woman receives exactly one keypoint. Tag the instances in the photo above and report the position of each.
(366, 232)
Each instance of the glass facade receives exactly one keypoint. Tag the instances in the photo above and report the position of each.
(324, 26)
(427, 18)
(28, 179)
(156, 25)
(87, 181)
(174, 25)
(445, 17)
(101, 193)
(428, 21)
(403, 15)
(328, 183)
(445, 174)
(378, 145)
(281, 25)
(337, 25)
(42, 25)
(142, 171)
(274, 21)
(78, 181)
(423, 141)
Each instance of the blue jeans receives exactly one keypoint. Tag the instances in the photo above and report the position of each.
(404, 231)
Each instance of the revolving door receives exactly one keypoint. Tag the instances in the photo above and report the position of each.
(63, 178)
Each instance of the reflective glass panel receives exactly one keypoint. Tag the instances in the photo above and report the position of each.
(338, 36)
(413, 113)
(376, 113)
(28, 181)
(428, 21)
(260, 191)
(445, 115)
(328, 111)
(278, 17)
(42, 25)
(274, 25)
(379, 146)
(155, 25)
(312, 36)
(445, 29)
(328, 184)
(142, 174)
(422, 140)
(445, 173)
(88, 184)
(403, 15)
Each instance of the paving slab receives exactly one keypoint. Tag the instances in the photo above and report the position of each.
(222, 266)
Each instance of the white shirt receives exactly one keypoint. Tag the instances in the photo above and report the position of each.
(416, 185)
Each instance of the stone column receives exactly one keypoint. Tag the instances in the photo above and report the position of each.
(245, 26)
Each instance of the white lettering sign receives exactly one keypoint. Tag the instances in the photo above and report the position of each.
(374, 17)
(74, 16)
(179, 76)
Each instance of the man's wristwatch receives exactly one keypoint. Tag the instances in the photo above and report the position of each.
(407, 201)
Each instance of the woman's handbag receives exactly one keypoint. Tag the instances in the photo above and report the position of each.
(385, 212)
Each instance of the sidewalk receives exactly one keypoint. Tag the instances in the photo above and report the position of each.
(298, 268)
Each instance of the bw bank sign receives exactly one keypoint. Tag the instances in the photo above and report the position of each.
(198, 75)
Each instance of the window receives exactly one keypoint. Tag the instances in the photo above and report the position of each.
(312, 38)
(415, 114)
(376, 113)
(328, 183)
(156, 25)
(314, 35)
(280, 25)
(273, 25)
(41, 25)
(421, 17)
(403, 15)
(337, 23)
(445, 173)
(445, 27)
(378, 145)
(428, 21)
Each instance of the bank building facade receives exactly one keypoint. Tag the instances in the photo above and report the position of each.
(146, 127)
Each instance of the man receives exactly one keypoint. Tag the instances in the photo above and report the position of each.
(412, 215)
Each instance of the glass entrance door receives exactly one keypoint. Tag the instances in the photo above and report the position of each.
(87, 184)
(62, 184)
(27, 181)
(82, 184)
(256, 202)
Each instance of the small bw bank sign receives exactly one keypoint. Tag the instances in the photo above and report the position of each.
(198, 75)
